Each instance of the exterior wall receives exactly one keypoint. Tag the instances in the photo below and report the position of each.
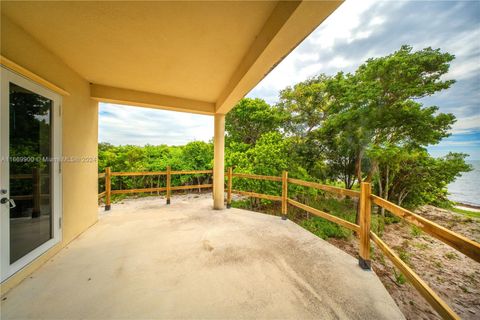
(80, 135)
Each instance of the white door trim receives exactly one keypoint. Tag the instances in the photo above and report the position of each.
(7, 77)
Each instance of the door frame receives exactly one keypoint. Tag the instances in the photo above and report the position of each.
(7, 76)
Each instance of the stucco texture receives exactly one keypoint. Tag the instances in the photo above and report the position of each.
(79, 137)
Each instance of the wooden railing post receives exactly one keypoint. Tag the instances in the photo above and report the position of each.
(37, 190)
(284, 194)
(108, 188)
(365, 219)
(229, 187)
(169, 191)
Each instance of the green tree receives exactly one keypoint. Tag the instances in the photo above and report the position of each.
(251, 118)
(338, 155)
(305, 107)
(411, 177)
(197, 155)
(378, 104)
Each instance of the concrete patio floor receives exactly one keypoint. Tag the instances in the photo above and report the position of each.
(144, 259)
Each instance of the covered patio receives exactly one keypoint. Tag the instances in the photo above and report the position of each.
(145, 259)
(196, 57)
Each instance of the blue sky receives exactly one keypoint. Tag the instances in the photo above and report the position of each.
(356, 31)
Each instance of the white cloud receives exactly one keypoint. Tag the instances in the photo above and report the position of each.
(293, 69)
(467, 125)
(120, 124)
(340, 62)
(343, 24)
(466, 48)
(469, 143)
(460, 70)
(309, 58)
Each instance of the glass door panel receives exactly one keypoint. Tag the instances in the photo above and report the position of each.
(30, 150)
(30, 175)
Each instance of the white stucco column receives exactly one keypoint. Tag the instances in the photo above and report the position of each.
(218, 165)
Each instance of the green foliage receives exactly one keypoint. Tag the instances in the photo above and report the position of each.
(305, 105)
(195, 155)
(468, 213)
(325, 229)
(451, 255)
(399, 277)
(391, 219)
(342, 208)
(415, 231)
(250, 119)
(376, 108)
(415, 178)
(404, 255)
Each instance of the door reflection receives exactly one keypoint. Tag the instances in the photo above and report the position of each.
(30, 171)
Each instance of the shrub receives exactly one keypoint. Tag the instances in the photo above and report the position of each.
(325, 229)
(415, 231)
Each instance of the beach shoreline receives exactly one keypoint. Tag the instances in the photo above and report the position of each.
(465, 206)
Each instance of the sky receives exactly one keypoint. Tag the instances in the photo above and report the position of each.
(356, 31)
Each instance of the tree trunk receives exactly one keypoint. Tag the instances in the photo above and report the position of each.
(358, 173)
(402, 196)
(358, 166)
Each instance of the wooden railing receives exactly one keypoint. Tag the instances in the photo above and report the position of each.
(366, 199)
(468, 247)
(36, 176)
(107, 175)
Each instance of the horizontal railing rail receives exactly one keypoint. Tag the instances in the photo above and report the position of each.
(107, 175)
(141, 173)
(193, 172)
(157, 173)
(324, 215)
(36, 193)
(324, 187)
(31, 196)
(21, 176)
(464, 245)
(256, 177)
(422, 287)
(258, 195)
(142, 190)
(468, 247)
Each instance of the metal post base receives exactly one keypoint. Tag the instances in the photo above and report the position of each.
(364, 264)
(229, 205)
(107, 207)
(284, 217)
(168, 201)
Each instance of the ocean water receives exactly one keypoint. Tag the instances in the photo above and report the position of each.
(466, 189)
